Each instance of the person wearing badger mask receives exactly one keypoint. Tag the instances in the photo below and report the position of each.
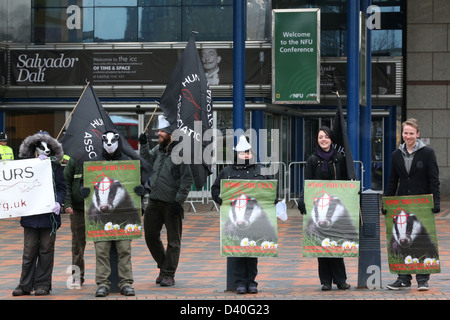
(40, 230)
(112, 151)
(170, 185)
(244, 167)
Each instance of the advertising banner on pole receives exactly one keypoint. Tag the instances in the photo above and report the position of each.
(248, 221)
(331, 223)
(296, 56)
(411, 235)
(26, 188)
(112, 209)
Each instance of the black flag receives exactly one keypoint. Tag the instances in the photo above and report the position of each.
(187, 105)
(83, 138)
(341, 140)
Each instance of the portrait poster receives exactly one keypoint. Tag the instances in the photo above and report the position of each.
(331, 223)
(411, 235)
(112, 209)
(26, 187)
(248, 221)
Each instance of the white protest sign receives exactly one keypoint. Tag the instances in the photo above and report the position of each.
(26, 188)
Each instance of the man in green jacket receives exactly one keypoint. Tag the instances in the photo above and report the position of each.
(170, 185)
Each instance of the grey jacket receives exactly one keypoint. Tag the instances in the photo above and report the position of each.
(169, 182)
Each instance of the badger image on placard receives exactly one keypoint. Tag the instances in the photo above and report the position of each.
(331, 219)
(112, 204)
(331, 223)
(247, 219)
(411, 245)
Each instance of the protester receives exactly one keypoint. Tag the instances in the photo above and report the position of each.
(170, 185)
(74, 206)
(327, 164)
(112, 151)
(6, 153)
(245, 269)
(414, 171)
(40, 230)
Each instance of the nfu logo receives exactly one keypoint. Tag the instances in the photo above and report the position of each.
(296, 96)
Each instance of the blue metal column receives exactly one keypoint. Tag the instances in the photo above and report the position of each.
(239, 36)
(366, 111)
(353, 7)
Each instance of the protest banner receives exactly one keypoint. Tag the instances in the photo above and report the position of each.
(331, 223)
(112, 209)
(26, 188)
(248, 222)
(411, 235)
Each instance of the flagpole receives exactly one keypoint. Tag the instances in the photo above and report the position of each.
(157, 104)
(73, 110)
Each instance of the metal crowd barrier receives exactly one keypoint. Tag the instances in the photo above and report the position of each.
(290, 182)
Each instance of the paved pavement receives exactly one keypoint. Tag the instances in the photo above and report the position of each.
(202, 271)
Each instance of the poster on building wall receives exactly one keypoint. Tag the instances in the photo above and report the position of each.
(248, 221)
(331, 223)
(26, 187)
(411, 238)
(296, 56)
(112, 209)
(129, 67)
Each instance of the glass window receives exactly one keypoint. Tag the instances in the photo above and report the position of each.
(157, 24)
(115, 24)
(213, 23)
(116, 3)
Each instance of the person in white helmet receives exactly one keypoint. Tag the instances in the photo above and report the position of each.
(244, 167)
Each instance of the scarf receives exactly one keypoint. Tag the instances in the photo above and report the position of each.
(326, 156)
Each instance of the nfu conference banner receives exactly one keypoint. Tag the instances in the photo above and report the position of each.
(248, 221)
(331, 223)
(112, 209)
(296, 56)
(26, 188)
(411, 235)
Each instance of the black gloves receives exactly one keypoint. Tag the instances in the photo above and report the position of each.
(85, 191)
(219, 201)
(140, 190)
(301, 207)
(143, 138)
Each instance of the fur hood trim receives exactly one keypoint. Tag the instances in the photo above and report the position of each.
(28, 146)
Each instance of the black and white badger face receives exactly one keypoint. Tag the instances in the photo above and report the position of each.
(244, 212)
(326, 211)
(406, 228)
(42, 148)
(108, 195)
(110, 142)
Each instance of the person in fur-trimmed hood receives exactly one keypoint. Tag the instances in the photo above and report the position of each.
(40, 230)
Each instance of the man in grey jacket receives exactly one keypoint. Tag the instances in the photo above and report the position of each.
(170, 185)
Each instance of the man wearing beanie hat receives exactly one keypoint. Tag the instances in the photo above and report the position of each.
(6, 153)
(170, 185)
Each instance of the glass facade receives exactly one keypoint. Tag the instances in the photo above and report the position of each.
(131, 20)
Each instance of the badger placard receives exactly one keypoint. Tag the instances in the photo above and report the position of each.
(112, 209)
(248, 222)
(411, 235)
(331, 223)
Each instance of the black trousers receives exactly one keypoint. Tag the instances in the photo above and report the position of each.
(245, 272)
(332, 270)
(156, 215)
(38, 258)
